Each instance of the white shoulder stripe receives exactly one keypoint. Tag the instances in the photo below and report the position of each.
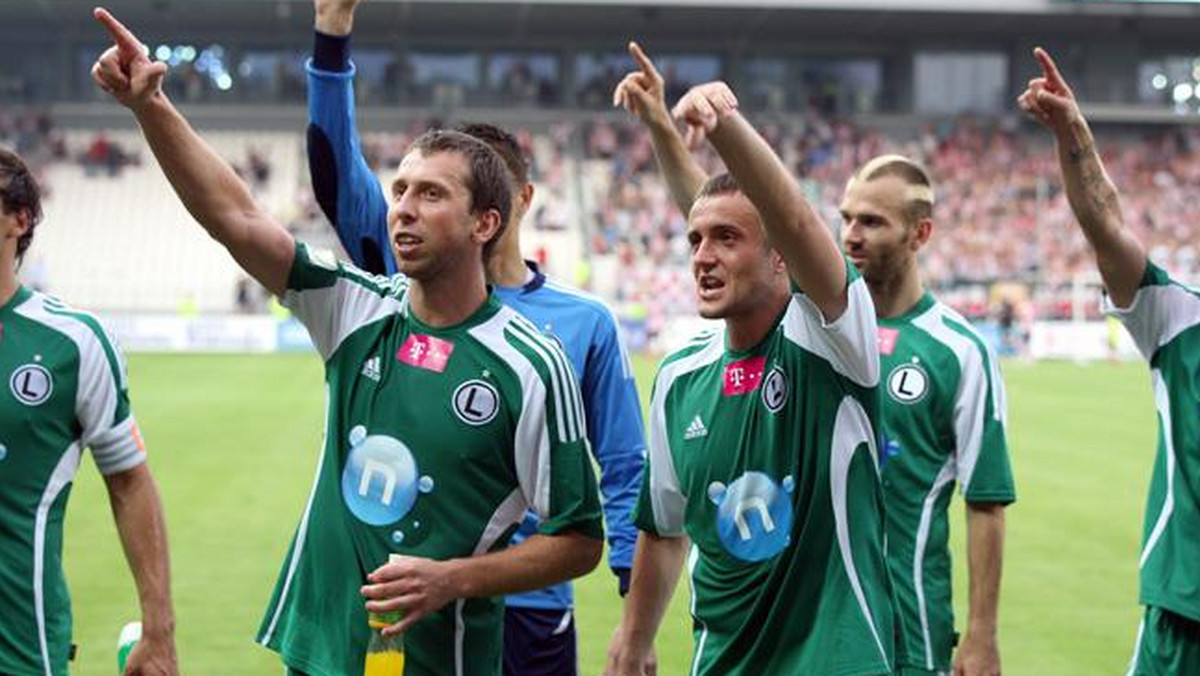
(531, 446)
(334, 312)
(563, 380)
(850, 344)
(99, 381)
(1157, 315)
(666, 496)
(971, 395)
(995, 380)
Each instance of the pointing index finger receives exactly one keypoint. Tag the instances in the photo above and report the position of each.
(125, 40)
(1049, 68)
(643, 61)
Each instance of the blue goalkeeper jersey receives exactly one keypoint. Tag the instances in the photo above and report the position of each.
(353, 199)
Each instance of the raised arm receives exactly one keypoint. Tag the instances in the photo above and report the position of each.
(137, 510)
(793, 227)
(642, 92)
(1120, 257)
(346, 189)
(204, 182)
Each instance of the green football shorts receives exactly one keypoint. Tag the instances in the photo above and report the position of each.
(1168, 644)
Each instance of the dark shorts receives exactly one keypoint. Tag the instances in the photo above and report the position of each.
(1168, 644)
(539, 642)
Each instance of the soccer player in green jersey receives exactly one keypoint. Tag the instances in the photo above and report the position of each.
(943, 403)
(64, 390)
(943, 413)
(448, 414)
(762, 468)
(1163, 317)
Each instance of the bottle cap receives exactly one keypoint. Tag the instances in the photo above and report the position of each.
(381, 620)
(130, 634)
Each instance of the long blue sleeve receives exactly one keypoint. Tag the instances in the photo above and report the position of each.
(614, 417)
(346, 189)
(589, 334)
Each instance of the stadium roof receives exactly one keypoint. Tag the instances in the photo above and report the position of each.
(739, 21)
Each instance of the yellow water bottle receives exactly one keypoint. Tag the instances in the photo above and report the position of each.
(385, 654)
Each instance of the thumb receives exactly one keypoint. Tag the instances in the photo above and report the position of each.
(149, 75)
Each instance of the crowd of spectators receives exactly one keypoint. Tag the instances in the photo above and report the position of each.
(1005, 245)
(1002, 221)
(31, 133)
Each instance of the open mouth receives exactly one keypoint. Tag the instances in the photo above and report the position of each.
(708, 286)
(406, 242)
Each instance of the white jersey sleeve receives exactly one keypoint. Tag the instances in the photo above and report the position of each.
(102, 404)
(332, 299)
(851, 343)
(1160, 311)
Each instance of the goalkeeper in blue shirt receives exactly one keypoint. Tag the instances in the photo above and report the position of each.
(539, 633)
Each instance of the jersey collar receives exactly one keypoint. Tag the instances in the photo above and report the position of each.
(537, 281)
(734, 355)
(926, 301)
(486, 310)
(19, 297)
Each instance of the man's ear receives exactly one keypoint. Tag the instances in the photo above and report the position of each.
(487, 224)
(22, 226)
(778, 265)
(526, 197)
(922, 233)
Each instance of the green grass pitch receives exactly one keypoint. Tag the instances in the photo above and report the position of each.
(233, 442)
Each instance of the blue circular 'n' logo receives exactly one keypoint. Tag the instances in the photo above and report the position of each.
(380, 482)
(754, 515)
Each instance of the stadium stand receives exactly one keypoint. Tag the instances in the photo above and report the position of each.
(599, 200)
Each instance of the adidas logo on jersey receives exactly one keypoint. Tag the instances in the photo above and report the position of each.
(371, 369)
(695, 430)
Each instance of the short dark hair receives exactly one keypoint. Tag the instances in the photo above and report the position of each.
(916, 209)
(503, 143)
(19, 191)
(487, 178)
(721, 184)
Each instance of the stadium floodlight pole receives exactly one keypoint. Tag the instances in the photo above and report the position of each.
(1163, 318)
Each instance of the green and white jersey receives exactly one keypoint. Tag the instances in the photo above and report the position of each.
(1164, 320)
(63, 389)
(436, 442)
(766, 459)
(944, 421)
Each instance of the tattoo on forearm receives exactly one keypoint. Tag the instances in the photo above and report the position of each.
(1077, 155)
(1100, 201)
